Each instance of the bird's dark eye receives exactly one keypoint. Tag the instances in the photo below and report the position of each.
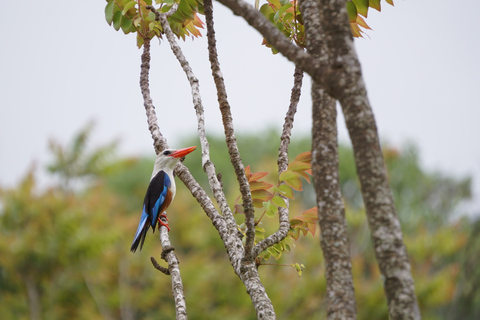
(167, 152)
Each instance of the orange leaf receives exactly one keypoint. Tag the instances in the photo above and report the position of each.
(248, 172)
(256, 176)
(299, 166)
(304, 156)
(362, 23)
(260, 185)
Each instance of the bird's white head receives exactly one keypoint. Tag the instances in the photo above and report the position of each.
(168, 158)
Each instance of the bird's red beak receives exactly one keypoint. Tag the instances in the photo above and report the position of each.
(180, 153)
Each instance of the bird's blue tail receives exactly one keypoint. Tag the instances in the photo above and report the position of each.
(142, 229)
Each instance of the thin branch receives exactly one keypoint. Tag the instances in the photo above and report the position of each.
(159, 142)
(160, 268)
(246, 270)
(174, 270)
(208, 166)
(229, 130)
(284, 223)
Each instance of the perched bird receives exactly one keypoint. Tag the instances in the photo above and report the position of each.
(160, 194)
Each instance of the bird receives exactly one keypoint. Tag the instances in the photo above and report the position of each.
(160, 194)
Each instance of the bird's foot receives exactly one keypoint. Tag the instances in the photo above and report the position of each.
(163, 221)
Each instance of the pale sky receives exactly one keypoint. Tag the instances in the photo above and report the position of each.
(62, 65)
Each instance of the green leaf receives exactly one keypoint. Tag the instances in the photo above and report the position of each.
(126, 25)
(390, 2)
(292, 179)
(362, 7)
(260, 185)
(266, 10)
(117, 20)
(299, 166)
(280, 12)
(262, 195)
(109, 12)
(151, 16)
(285, 190)
(128, 6)
(375, 4)
(278, 201)
(284, 2)
(352, 12)
(271, 212)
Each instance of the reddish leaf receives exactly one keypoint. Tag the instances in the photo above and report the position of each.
(362, 23)
(256, 176)
(260, 185)
(248, 172)
(304, 157)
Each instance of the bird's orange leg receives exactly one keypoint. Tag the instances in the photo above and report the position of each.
(163, 221)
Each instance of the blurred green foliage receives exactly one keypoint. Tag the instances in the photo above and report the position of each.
(64, 252)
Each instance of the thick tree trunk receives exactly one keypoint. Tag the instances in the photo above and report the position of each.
(348, 87)
(331, 210)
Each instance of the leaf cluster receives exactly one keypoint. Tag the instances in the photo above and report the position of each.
(358, 8)
(271, 198)
(132, 16)
(286, 16)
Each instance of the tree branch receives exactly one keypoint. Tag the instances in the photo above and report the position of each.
(230, 133)
(174, 270)
(331, 211)
(284, 223)
(159, 142)
(348, 86)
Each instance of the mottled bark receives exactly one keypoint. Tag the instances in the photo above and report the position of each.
(240, 257)
(229, 130)
(174, 270)
(331, 211)
(346, 82)
(342, 79)
(159, 142)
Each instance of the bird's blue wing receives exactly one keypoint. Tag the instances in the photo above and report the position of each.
(156, 201)
(157, 194)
